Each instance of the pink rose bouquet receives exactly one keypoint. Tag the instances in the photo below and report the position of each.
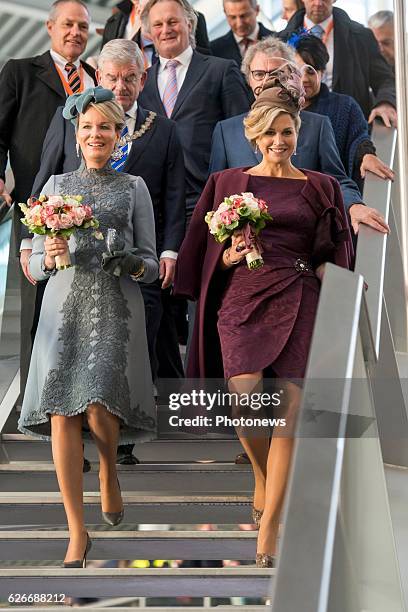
(58, 215)
(241, 212)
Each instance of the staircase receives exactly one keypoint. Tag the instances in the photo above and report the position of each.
(180, 485)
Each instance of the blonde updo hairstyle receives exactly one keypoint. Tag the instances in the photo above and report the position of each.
(111, 111)
(260, 119)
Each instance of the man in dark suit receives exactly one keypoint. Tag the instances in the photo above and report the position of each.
(356, 64)
(245, 30)
(119, 25)
(30, 91)
(194, 90)
(155, 155)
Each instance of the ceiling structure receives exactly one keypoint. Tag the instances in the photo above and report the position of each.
(22, 31)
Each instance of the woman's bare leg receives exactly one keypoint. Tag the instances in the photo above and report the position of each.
(279, 459)
(256, 446)
(104, 427)
(67, 452)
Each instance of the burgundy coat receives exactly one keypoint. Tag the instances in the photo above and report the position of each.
(197, 275)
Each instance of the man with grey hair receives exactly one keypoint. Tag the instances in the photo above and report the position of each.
(194, 90)
(245, 30)
(154, 153)
(31, 89)
(126, 23)
(382, 26)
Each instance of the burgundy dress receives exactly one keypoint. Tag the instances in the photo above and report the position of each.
(266, 316)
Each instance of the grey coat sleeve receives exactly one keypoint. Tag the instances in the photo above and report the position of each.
(36, 263)
(144, 236)
(330, 163)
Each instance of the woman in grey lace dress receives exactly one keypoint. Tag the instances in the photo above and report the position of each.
(90, 361)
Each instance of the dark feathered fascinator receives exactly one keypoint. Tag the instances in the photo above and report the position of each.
(283, 89)
(78, 103)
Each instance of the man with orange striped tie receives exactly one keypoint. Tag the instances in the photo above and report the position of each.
(31, 90)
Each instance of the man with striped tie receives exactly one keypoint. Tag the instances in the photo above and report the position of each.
(30, 91)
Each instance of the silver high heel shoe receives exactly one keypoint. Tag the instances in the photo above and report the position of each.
(113, 518)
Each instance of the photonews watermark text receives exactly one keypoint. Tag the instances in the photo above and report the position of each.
(240, 406)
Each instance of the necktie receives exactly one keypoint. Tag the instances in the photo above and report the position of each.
(74, 80)
(245, 43)
(118, 164)
(170, 91)
(317, 30)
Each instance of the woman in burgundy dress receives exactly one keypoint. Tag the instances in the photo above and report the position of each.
(261, 321)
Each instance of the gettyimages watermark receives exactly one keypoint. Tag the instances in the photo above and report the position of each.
(236, 402)
(290, 408)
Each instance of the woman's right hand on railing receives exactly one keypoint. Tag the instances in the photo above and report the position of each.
(54, 247)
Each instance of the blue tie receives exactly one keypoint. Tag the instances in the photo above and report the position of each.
(317, 30)
(118, 164)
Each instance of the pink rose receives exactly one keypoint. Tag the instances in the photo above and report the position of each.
(225, 217)
(66, 221)
(53, 222)
(88, 211)
(56, 201)
(234, 216)
(78, 215)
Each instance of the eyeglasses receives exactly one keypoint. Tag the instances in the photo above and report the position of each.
(131, 79)
(308, 70)
(260, 75)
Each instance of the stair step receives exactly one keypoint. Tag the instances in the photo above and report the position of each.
(242, 581)
(193, 477)
(187, 545)
(21, 448)
(19, 510)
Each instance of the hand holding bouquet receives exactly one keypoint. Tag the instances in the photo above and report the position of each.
(241, 212)
(58, 215)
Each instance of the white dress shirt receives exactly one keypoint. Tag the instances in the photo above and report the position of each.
(61, 62)
(240, 40)
(328, 75)
(184, 60)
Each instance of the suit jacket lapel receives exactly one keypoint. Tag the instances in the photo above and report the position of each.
(195, 71)
(152, 88)
(234, 48)
(48, 74)
(140, 144)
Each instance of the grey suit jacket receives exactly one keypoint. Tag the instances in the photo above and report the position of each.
(316, 150)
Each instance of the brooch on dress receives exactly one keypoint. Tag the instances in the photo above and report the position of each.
(141, 131)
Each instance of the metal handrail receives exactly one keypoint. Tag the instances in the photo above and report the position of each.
(362, 336)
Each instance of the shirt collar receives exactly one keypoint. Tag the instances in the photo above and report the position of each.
(324, 24)
(184, 58)
(62, 61)
(132, 112)
(252, 36)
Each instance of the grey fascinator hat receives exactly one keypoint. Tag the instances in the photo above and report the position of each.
(78, 103)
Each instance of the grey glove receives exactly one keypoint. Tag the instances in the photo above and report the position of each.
(121, 263)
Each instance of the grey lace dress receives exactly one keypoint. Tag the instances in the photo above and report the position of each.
(91, 343)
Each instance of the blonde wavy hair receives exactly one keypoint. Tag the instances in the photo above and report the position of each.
(260, 119)
(111, 111)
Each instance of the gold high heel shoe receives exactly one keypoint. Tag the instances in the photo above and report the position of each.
(265, 560)
(80, 562)
(256, 516)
